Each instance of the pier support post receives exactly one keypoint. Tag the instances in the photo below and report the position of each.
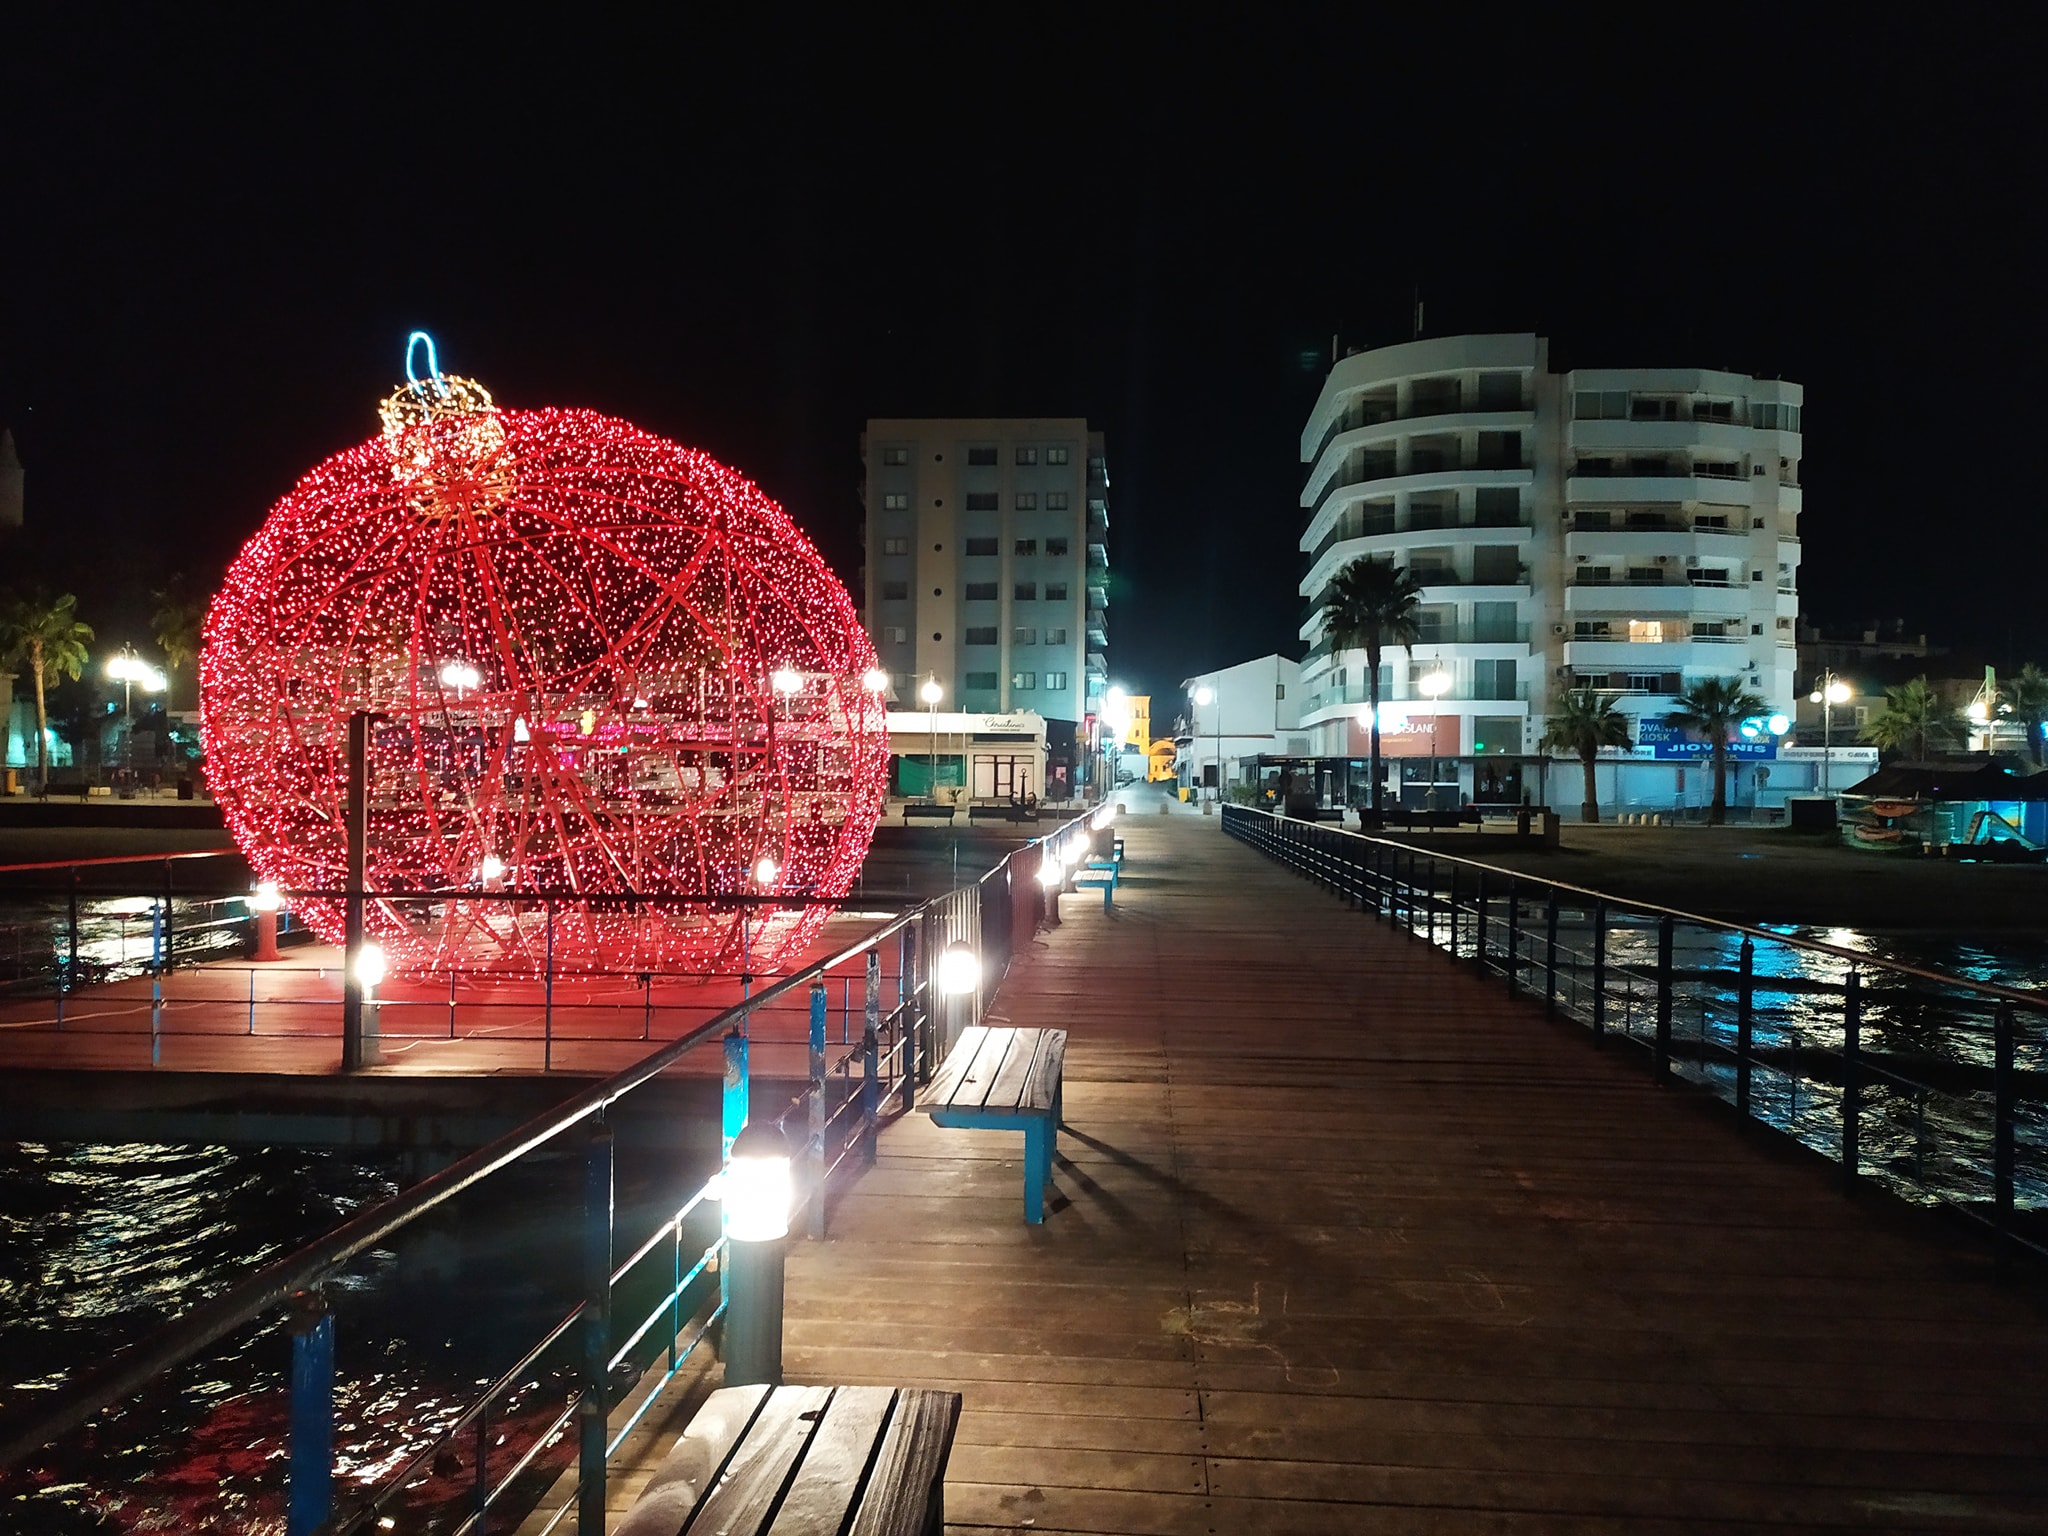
(732, 1120)
(1599, 973)
(1664, 932)
(594, 1412)
(871, 1053)
(2003, 1108)
(309, 1477)
(1745, 1027)
(1852, 1075)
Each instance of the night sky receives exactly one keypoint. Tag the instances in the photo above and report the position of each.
(214, 238)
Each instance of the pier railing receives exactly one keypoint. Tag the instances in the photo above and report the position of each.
(1931, 1085)
(543, 1424)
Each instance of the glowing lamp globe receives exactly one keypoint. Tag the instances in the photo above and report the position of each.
(597, 666)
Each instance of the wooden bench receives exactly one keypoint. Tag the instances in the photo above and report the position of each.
(866, 1461)
(1002, 1079)
(922, 810)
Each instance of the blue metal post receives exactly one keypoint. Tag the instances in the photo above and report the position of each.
(814, 1150)
(156, 984)
(870, 1052)
(594, 1411)
(732, 1120)
(309, 1478)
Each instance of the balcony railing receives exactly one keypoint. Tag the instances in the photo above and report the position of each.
(1388, 467)
(1357, 525)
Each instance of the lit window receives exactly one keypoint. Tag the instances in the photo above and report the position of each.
(1024, 681)
(1646, 631)
(895, 634)
(1056, 680)
(1027, 501)
(1056, 637)
(895, 455)
(1024, 636)
(896, 546)
(1027, 455)
(1056, 456)
(1056, 501)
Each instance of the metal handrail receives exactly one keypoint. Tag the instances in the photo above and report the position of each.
(1983, 989)
(130, 1369)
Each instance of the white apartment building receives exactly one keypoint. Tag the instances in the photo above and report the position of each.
(1253, 709)
(987, 563)
(1634, 529)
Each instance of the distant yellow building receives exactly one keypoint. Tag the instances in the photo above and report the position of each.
(1163, 753)
(1137, 722)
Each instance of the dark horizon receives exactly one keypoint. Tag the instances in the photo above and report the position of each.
(222, 238)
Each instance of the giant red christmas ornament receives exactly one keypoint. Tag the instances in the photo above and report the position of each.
(596, 663)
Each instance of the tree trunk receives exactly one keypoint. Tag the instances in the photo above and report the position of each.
(35, 663)
(1589, 809)
(1717, 813)
(1372, 693)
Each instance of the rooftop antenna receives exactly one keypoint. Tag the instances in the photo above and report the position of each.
(1418, 314)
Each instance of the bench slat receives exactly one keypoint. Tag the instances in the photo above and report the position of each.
(906, 1496)
(1045, 1071)
(972, 1090)
(832, 1471)
(947, 1079)
(694, 1463)
(1014, 1078)
(758, 1471)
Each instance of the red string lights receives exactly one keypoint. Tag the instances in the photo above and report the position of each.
(598, 663)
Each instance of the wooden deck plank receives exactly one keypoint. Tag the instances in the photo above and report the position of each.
(1340, 1239)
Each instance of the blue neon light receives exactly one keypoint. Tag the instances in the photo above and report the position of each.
(433, 377)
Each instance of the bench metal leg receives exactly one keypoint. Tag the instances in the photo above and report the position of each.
(1037, 1166)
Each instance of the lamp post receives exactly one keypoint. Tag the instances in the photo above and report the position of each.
(1435, 683)
(1204, 697)
(264, 902)
(128, 669)
(757, 1192)
(931, 693)
(1829, 691)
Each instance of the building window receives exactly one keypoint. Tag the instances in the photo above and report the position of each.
(895, 634)
(981, 591)
(895, 591)
(1056, 637)
(1056, 501)
(895, 501)
(1055, 591)
(1027, 546)
(1279, 690)
(981, 501)
(1024, 682)
(1756, 575)
(985, 456)
(900, 682)
(1027, 501)
(1027, 591)
(1056, 456)
(981, 546)
(1645, 576)
(1653, 408)
(1784, 625)
(1027, 455)
(895, 455)
(982, 635)
(983, 681)
(1024, 636)
(1056, 680)
(1600, 405)
(898, 546)
(1055, 546)
(1595, 575)
(1590, 629)
(1713, 410)
(1646, 631)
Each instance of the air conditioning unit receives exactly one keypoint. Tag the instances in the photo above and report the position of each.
(1583, 559)
(1663, 559)
(1692, 559)
(1564, 672)
(1557, 629)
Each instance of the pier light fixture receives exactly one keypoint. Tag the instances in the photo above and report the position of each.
(757, 1188)
(875, 680)
(264, 902)
(788, 682)
(461, 676)
(765, 872)
(369, 966)
(1052, 873)
(265, 897)
(959, 969)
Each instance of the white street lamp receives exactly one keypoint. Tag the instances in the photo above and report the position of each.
(131, 670)
(959, 969)
(757, 1191)
(1827, 693)
(1435, 684)
(1204, 697)
(462, 676)
(875, 680)
(931, 693)
(788, 682)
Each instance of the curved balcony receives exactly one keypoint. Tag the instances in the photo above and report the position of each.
(1675, 488)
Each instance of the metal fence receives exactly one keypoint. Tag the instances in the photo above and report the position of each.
(1930, 1085)
(598, 1352)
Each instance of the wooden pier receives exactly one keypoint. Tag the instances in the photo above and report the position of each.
(1341, 1240)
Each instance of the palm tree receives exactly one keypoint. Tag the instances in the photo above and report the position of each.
(48, 636)
(1915, 720)
(1372, 606)
(177, 623)
(1713, 707)
(1582, 721)
(2026, 697)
